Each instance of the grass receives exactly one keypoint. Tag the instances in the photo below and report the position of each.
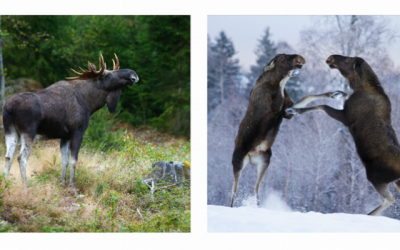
(111, 196)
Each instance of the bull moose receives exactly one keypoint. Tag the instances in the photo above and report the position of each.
(62, 111)
(367, 115)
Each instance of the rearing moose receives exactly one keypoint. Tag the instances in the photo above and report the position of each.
(367, 115)
(62, 111)
(264, 115)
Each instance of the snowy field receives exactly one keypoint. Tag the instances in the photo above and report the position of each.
(275, 216)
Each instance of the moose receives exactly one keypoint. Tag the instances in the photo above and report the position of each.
(366, 113)
(260, 125)
(62, 111)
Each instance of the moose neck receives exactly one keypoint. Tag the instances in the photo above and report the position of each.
(274, 78)
(366, 81)
(93, 93)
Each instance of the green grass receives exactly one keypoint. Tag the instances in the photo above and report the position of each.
(114, 198)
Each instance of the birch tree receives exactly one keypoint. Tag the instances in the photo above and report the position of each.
(2, 82)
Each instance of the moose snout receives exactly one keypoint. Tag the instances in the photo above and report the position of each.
(134, 78)
(330, 60)
(299, 61)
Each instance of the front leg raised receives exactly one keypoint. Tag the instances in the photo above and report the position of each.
(338, 95)
(336, 114)
(332, 95)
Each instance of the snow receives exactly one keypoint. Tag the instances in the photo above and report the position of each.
(275, 216)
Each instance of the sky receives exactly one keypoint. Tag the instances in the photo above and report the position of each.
(245, 31)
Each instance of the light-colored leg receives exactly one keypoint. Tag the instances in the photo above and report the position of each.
(236, 177)
(74, 145)
(396, 185)
(72, 165)
(388, 199)
(11, 144)
(261, 162)
(336, 114)
(332, 95)
(65, 153)
(26, 146)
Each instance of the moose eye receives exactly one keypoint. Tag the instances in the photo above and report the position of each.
(347, 60)
(282, 58)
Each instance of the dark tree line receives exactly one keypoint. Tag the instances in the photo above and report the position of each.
(44, 48)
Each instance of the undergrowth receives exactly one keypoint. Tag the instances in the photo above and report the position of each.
(111, 196)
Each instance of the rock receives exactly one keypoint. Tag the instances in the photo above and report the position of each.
(168, 171)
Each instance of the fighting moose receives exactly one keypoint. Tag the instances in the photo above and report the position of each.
(62, 111)
(260, 125)
(367, 115)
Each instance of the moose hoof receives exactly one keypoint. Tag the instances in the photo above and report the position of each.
(337, 95)
(291, 111)
(293, 72)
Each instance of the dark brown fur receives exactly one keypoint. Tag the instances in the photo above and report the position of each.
(263, 117)
(61, 111)
(367, 115)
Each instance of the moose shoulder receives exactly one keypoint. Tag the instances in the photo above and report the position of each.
(62, 111)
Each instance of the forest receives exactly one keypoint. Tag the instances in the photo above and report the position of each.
(157, 48)
(152, 124)
(314, 164)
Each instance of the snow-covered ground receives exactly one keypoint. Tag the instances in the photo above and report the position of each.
(276, 216)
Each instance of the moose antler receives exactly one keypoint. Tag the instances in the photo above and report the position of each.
(116, 67)
(89, 74)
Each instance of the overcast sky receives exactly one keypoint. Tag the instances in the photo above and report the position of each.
(245, 31)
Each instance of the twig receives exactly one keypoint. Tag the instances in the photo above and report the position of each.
(36, 215)
(139, 213)
(170, 185)
(151, 187)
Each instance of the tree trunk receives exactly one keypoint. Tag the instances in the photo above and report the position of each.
(221, 82)
(2, 82)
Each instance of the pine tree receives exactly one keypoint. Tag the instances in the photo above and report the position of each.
(223, 70)
(265, 51)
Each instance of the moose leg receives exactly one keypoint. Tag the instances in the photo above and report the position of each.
(75, 145)
(12, 138)
(333, 113)
(388, 199)
(238, 165)
(261, 162)
(332, 95)
(26, 146)
(236, 177)
(396, 185)
(64, 148)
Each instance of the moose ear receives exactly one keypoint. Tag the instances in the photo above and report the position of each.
(357, 66)
(270, 65)
(93, 66)
(112, 100)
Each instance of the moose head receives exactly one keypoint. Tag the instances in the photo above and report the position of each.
(111, 81)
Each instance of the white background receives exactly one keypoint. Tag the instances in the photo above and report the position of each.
(199, 238)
